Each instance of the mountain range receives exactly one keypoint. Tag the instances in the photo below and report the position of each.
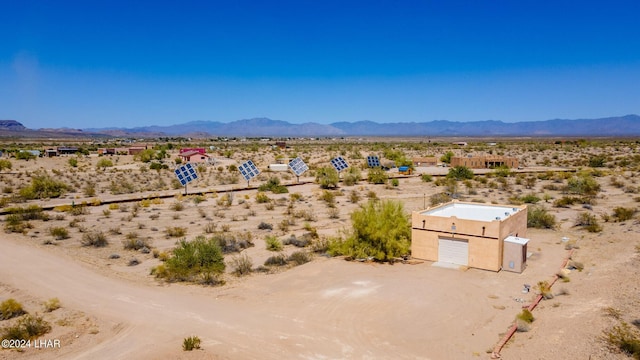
(628, 125)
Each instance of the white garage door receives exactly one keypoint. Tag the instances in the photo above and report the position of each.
(454, 251)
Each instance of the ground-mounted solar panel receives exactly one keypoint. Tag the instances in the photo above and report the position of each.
(248, 170)
(373, 161)
(298, 167)
(186, 174)
(339, 163)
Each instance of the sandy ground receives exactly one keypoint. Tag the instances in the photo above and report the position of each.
(325, 309)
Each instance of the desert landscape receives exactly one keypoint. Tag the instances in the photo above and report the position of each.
(88, 240)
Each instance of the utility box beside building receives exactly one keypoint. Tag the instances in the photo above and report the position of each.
(515, 254)
(469, 234)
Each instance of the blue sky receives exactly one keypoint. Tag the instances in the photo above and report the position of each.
(83, 64)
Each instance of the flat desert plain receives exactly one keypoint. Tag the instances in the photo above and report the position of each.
(112, 307)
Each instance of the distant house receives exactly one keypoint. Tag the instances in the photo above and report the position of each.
(484, 162)
(281, 144)
(67, 150)
(425, 161)
(198, 150)
(193, 157)
(51, 152)
(135, 150)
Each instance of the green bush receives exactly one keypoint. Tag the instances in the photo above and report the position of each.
(59, 233)
(190, 343)
(426, 178)
(133, 242)
(10, 308)
(395, 182)
(526, 316)
(327, 177)
(13, 223)
(176, 231)
(95, 239)
(329, 197)
(27, 328)
(589, 222)
(43, 186)
(352, 176)
(623, 214)
(446, 158)
(530, 199)
(200, 260)
(460, 173)
(583, 185)
(104, 163)
(273, 185)
(51, 305)
(377, 176)
(539, 218)
(262, 198)
(380, 229)
(625, 338)
(5, 164)
(273, 243)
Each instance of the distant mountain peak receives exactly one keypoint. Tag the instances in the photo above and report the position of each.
(11, 125)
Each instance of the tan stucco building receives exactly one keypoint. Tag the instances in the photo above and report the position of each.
(471, 234)
(484, 162)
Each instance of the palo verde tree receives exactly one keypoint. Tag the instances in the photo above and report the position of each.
(460, 173)
(380, 230)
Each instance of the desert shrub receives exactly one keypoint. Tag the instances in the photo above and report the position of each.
(104, 163)
(190, 343)
(262, 198)
(623, 214)
(624, 338)
(10, 308)
(27, 328)
(377, 176)
(177, 206)
(395, 182)
(380, 229)
(210, 227)
(198, 260)
(524, 320)
(539, 218)
(597, 161)
(460, 173)
(230, 243)
(583, 185)
(588, 221)
(273, 243)
(329, 197)
(31, 212)
(265, 226)
(276, 260)
(59, 233)
(5, 164)
(446, 158)
(273, 185)
(133, 242)
(295, 197)
(352, 176)
(333, 213)
(300, 257)
(439, 198)
(426, 178)
(327, 177)
(51, 305)
(242, 265)
(176, 231)
(354, 196)
(530, 199)
(95, 239)
(293, 240)
(43, 186)
(544, 289)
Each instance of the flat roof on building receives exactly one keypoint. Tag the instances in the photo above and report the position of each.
(477, 212)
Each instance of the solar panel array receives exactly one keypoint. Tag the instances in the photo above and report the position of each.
(186, 173)
(373, 161)
(298, 166)
(248, 170)
(339, 163)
